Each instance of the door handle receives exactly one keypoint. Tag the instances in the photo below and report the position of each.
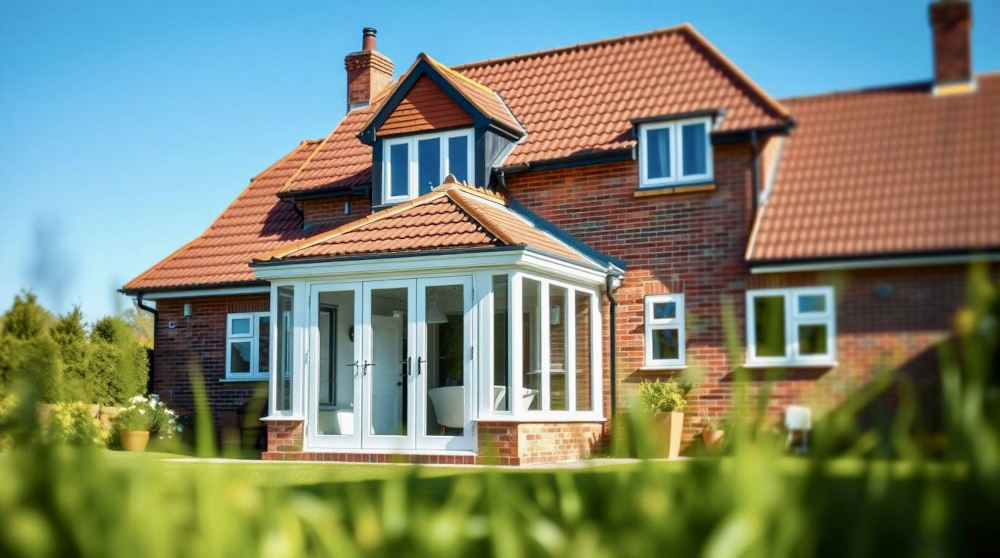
(420, 362)
(406, 361)
(366, 365)
(353, 365)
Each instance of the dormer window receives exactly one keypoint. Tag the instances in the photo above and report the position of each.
(675, 152)
(415, 165)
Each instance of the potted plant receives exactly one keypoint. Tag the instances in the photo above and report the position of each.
(713, 432)
(665, 400)
(142, 418)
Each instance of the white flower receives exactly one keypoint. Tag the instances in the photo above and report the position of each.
(138, 399)
(142, 411)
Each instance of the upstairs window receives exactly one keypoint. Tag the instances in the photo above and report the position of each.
(415, 165)
(791, 327)
(675, 152)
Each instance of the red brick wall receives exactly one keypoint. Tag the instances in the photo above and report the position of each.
(368, 73)
(330, 211)
(685, 243)
(694, 244)
(200, 342)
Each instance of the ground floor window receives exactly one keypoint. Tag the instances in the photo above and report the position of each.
(284, 343)
(247, 346)
(791, 326)
(555, 346)
(664, 319)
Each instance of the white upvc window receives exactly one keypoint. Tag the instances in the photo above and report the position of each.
(675, 152)
(248, 346)
(789, 327)
(665, 338)
(415, 165)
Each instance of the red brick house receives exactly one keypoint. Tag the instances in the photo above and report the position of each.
(620, 199)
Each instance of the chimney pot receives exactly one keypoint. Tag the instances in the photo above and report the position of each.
(368, 38)
(951, 23)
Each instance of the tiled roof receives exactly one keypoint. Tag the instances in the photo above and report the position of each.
(886, 171)
(255, 222)
(452, 216)
(574, 100)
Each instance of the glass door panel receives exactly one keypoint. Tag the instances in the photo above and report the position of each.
(334, 367)
(444, 363)
(388, 371)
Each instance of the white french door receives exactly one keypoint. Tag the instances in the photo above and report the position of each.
(390, 365)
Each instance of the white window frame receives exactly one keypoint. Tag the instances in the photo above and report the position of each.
(793, 319)
(253, 336)
(653, 324)
(413, 187)
(677, 176)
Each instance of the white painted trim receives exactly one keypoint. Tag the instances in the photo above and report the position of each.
(434, 265)
(413, 156)
(651, 324)
(676, 153)
(913, 261)
(193, 293)
(252, 337)
(793, 319)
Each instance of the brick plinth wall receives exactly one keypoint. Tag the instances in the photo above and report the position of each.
(500, 443)
(199, 343)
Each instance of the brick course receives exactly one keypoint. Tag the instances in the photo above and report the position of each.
(329, 212)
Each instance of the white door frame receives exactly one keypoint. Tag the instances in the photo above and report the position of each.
(370, 440)
(467, 440)
(313, 437)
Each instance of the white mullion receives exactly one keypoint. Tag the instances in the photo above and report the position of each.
(570, 348)
(596, 360)
(544, 324)
(516, 344)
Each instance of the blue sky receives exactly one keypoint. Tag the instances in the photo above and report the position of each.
(127, 127)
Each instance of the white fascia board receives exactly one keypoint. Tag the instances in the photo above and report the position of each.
(914, 261)
(429, 264)
(192, 293)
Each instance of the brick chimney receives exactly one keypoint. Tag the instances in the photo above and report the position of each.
(368, 72)
(951, 23)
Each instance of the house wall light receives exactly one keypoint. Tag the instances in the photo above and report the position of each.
(187, 310)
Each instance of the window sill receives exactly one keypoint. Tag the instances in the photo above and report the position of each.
(648, 191)
(540, 418)
(654, 367)
(758, 365)
(242, 380)
(279, 418)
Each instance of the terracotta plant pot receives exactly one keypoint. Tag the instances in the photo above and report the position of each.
(713, 438)
(134, 440)
(671, 428)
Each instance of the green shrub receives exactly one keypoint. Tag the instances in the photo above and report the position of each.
(117, 364)
(74, 424)
(662, 397)
(138, 415)
(70, 335)
(35, 362)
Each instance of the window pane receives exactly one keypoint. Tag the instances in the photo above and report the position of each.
(694, 138)
(812, 303)
(445, 372)
(429, 164)
(239, 357)
(335, 396)
(664, 310)
(263, 344)
(531, 346)
(240, 326)
(458, 158)
(769, 315)
(283, 383)
(665, 344)
(658, 153)
(583, 352)
(389, 349)
(399, 164)
(812, 340)
(501, 344)
(557, 349)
